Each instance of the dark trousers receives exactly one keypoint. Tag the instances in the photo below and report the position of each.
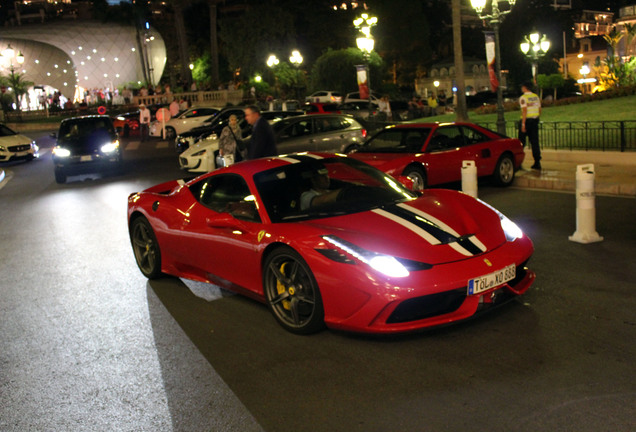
(532, 132)
(143, 131)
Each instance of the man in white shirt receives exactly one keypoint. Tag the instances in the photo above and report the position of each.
(144, 121)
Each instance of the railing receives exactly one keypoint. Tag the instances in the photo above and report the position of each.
(210, 98)
(591, 135)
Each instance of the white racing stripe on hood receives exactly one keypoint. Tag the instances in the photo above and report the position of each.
(290, 160)
(417, 230)
(473, 239)
(430, 218)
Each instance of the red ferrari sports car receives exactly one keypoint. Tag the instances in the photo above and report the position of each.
(432, 153)
(328, 240)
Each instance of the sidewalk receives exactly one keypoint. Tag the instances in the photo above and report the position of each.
(615, 173)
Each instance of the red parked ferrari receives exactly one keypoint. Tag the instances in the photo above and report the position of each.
(328, 240)
(432, 153)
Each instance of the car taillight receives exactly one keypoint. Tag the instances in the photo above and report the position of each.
(364, 133)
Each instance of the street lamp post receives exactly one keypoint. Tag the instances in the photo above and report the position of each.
(495, 18)
(8, 55)
(296, 59)
(534, 47)
(271, 62)
(365, 43)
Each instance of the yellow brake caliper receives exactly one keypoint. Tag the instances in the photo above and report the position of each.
(280, 287)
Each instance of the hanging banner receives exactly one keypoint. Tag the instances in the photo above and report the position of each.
(363, 81)
(490, 58)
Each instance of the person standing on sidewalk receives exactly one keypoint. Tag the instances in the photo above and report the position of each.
(529, 125)
(144, 121)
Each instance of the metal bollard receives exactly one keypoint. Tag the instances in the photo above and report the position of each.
(585, 206)
(469, 178)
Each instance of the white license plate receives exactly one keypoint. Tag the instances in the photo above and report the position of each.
(486, 282)
(86, 158)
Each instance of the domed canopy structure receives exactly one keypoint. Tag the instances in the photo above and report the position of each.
(74, 55)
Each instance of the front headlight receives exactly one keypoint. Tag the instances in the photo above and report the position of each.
(61, 152)
(510, 229)
(385, 264)
(110, 147)
(3, 148)
(199, 153)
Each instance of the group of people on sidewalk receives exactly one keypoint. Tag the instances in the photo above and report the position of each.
(262, 143)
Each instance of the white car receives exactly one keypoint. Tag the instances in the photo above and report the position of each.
(14, 146)
(200, 157)
(355, 97)
(324, 96)
(189, 119)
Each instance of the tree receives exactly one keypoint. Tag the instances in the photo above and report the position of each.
(335, 70)
(552, 81)
(19, 86)
(179, 23)
(461, 111)
(264, 28)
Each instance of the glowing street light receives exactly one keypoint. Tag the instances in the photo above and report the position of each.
(366, 43)
(296, 59)
(495, 18)
(534, 47)
(272, 60)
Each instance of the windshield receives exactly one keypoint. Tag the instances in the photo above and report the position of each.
(5, 131)
(86, 131)
(318, 188)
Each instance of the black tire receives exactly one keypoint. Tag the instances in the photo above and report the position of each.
(60, 176)
(418, 176)
(292, 292)
(146, 248)
(504, 173)
(126, 132)
(169, 134)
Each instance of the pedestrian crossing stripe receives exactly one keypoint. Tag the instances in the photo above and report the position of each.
(134, 145)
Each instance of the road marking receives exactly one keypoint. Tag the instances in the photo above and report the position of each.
(133, 145)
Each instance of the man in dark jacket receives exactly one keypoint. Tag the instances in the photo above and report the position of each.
(262, 142)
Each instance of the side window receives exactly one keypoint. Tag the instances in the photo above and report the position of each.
(388, 141)
(413, 141)
(297, 129)
(446, 138)
(227, 193)
(473, 137)
(329, 124)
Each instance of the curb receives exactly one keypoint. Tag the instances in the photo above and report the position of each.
(539, 180)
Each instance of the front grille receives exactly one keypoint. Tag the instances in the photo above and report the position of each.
(428, 306)
(19, 148)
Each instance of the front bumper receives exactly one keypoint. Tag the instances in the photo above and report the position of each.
(426, 298)
(82, 164)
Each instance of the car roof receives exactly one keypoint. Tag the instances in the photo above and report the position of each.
(86, 117)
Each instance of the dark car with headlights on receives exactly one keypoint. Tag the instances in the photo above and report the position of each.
(85, 145)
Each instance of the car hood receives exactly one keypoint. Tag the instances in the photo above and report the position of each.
(12, 140)
(206, 144)
(440, 227)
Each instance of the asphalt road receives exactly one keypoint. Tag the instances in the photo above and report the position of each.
(87, 343)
